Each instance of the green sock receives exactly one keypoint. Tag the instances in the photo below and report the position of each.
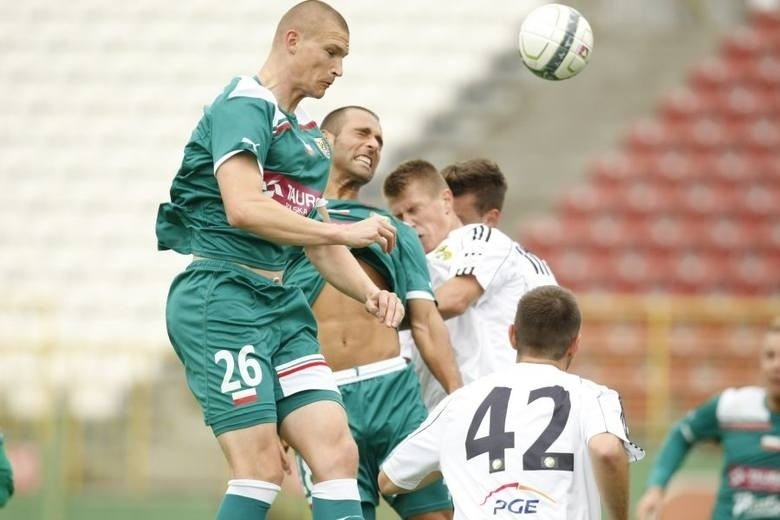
(247, 499)
(336, 500)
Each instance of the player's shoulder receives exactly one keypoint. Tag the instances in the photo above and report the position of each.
(247, 87)
(742, 404)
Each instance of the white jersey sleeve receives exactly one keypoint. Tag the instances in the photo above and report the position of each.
(493, 258)
(418, 455)
(603, 413)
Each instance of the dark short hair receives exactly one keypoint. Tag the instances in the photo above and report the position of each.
(410, 171)
(334, 121)
(481, 177)
(547, 321)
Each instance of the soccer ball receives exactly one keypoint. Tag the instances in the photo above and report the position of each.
(555, 41)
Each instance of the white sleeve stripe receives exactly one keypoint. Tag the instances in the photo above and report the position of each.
(419, 295)
(219, 162)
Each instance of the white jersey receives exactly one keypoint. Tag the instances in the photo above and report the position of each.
(515, 443)
(479, 336)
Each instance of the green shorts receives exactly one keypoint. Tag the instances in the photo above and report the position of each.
(384, 405)
(248, 345)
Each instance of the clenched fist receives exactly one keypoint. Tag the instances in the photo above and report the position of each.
(386, 306)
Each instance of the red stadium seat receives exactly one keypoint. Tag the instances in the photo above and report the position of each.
(683, 104)
(763, 72)
(753, 274)
(725, 234)
(747, 42)
(649, 134)
(738, 103)
(758, 201)
(640, 271)
(713, 74)
(761, 135)
(611, 231)
(702, 199)
(586, 199)
(580, 270)
(696, 273)
(614, 168)
(675, 167)
(666, 233)
(765, 19)
(733, 169)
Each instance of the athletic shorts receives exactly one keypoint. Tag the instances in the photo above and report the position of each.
(383, 406)
(248, 345)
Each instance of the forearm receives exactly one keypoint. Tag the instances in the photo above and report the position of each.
(671, 455)
(610, 467)
(276, 223)
(433, 341)
(340, 269)
(456, 295)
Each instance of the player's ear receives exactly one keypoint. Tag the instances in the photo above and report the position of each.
(329, 136)
(575, 346)
(491, 217)
(512, 337)
(291, 40)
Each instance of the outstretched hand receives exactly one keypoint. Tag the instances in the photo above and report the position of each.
(375, 229)
(386, 306)
(649, 506)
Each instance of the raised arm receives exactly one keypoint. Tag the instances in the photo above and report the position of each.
(342, 271)
(247, 208)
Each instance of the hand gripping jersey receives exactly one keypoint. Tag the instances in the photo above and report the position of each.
(404, 268)
(749, 433)
(480, 335)
(294, 159)
(515, 444)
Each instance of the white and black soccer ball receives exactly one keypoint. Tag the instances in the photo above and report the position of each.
(555, 41)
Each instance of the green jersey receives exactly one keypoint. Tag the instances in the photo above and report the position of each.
(6, 476)
(294, 159)
(404, 268)
(749, 434)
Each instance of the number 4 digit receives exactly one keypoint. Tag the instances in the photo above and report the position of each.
(497, 440)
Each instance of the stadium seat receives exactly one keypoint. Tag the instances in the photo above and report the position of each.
(649, 134)
(713, 74)
(588, 198)
(683, 104)
(615, 167)
(734, 168)
(667, 232)
(752, 274)
(746, 42)
(694, 272)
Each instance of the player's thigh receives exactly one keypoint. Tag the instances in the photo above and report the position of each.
(226, 345)
(318, 431)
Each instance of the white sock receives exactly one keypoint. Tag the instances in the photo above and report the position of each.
(254, 489)
(338, 489)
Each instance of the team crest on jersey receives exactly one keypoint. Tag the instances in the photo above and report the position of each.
(323, 145)
(443, 253)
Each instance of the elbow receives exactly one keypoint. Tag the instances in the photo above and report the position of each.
(237, 216)
(610, 454)
(453, 307)
(386, 486)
